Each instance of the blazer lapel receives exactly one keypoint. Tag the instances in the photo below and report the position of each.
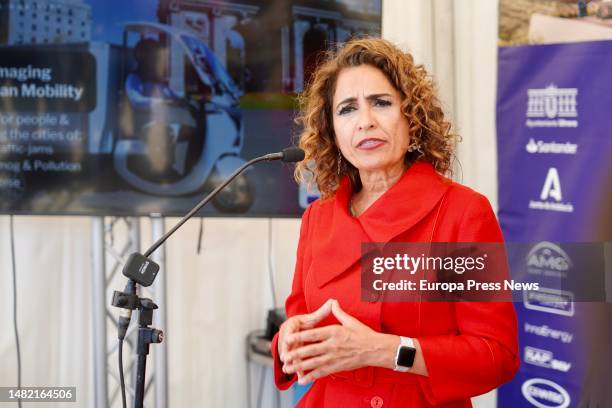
(410, 200)
(338, 246)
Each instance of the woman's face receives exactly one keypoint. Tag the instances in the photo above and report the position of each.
(371, 131)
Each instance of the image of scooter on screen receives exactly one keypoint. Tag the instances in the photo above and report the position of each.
(180, 127)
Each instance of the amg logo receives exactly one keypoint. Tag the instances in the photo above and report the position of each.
(546, 255)
(550, 262)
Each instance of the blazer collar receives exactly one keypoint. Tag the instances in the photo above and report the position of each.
(401, 207)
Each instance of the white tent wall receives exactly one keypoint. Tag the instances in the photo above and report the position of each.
(217, 297)
(214, 299)
(457, 43)
(54, 307)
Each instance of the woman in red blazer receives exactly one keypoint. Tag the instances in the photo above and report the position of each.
(379, 141)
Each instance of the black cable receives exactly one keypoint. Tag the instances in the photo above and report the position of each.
(122, 380)
(122, 327)
(14, 267)
(271, 265)
(248, 371)
(200, 234)
(262, 379)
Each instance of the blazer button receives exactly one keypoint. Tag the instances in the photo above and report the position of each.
(376, 402)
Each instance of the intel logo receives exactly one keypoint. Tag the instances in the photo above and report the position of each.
(545, 393)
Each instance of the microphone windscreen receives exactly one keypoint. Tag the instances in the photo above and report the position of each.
(293, 154)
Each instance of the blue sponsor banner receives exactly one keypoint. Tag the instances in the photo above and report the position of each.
(555, 163)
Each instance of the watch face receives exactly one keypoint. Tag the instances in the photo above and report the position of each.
(405, 357)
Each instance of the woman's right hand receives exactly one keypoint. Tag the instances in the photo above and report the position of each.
(297, 323)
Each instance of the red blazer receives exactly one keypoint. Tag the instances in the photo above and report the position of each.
(468, 348)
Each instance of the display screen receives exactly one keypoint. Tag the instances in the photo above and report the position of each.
(140, 107)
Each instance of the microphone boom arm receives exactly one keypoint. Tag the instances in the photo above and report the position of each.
(194, 210)
(139, 269)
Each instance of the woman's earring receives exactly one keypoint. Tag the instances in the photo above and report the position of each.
(339, 161)
(415, 147)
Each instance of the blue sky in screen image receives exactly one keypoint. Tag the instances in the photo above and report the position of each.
(109, 15)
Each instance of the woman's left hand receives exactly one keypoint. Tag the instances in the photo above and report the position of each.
(335, 348)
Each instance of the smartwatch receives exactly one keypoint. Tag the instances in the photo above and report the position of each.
(404, 356)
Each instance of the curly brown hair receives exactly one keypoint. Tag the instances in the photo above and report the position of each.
(427, 123)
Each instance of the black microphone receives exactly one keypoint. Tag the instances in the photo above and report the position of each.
(143, 270)
(288, 155)
(293, 155)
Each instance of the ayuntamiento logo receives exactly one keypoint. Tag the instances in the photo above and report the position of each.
(552, 107)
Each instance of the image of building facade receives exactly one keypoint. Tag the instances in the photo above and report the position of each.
(272, 46)
(44, 22)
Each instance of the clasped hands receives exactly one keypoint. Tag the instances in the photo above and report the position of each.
(316, 352)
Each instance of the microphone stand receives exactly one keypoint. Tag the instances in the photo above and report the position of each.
(139, 269)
